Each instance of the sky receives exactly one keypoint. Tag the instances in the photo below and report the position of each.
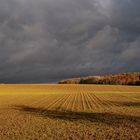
(44, 41)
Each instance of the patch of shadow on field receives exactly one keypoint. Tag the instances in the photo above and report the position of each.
(107, 118)
(127, 104)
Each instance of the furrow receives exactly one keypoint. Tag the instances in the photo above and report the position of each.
(90, 101)
(38, 101)
(56, 103)
(46, 100)
(86, 101)
(98, 101)
(63, 102)
(51, 102)
(68, 106)
(83, 102)
(79, 103)
(74, 101)
(95, 102)
(105, 102)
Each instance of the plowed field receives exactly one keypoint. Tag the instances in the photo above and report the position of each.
(73, 112)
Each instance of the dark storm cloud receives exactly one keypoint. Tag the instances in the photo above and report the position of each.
(48, 40)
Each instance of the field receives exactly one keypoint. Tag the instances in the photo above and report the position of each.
(69, 112)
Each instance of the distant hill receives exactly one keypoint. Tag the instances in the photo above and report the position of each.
(131, 78)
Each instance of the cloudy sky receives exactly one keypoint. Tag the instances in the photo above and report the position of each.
(49, 40)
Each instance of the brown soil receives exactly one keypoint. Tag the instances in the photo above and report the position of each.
(73, 112)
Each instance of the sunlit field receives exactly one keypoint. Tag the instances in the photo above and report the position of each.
(72, 112)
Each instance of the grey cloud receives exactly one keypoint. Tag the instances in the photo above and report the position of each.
(132, 52)
(48, 40)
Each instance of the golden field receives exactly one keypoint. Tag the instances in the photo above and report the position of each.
(69, 112)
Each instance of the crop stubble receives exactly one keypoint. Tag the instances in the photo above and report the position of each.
(69, 112)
